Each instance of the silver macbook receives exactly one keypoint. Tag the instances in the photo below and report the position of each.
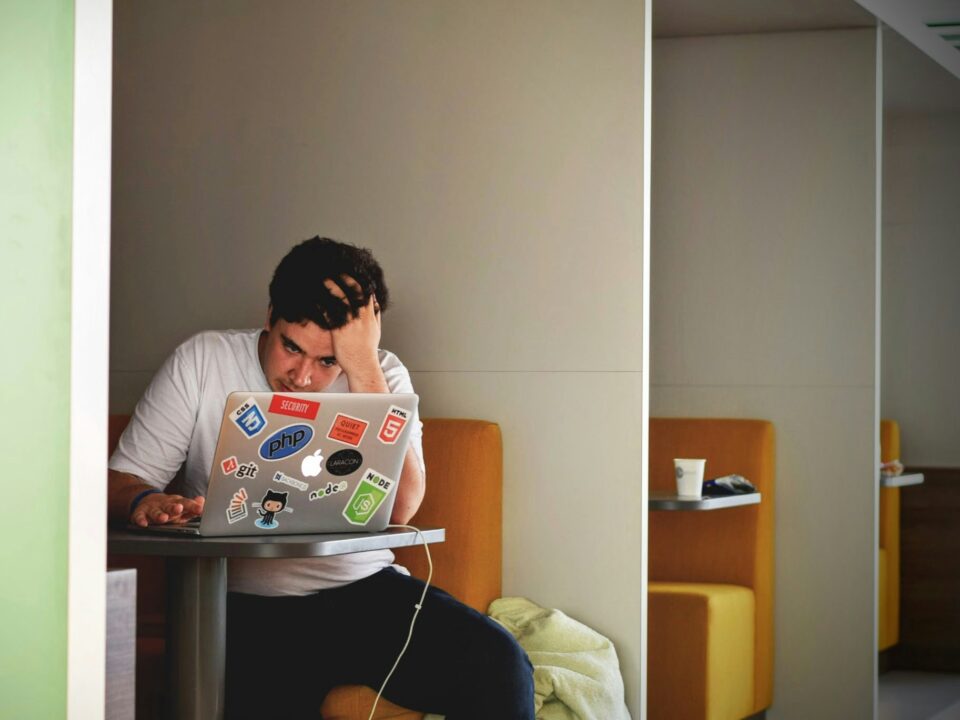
(291, 463)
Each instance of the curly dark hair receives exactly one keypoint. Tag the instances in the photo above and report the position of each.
(298, 293)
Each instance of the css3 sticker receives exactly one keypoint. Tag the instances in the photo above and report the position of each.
(249, 418)
(367, 497)
(329, 490)
(393, 424)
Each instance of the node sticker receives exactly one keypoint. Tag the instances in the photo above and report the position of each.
(295, 407)
(329, 490)
(344, 462)
(393, 424)
(348, 430)
(271, 505)
(230, 465)
(367, 497)
(292, 482)
(312, 465)
(249, 418)
(286, 442)
(237, 510)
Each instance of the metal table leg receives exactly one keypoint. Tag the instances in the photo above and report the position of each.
(196, 637)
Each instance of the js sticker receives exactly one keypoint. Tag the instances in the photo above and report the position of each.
(249, 418)
(367, 497)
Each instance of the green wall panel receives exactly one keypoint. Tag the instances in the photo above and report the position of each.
(36, 160)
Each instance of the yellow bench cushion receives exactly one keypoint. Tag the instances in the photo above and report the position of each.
(700, 651)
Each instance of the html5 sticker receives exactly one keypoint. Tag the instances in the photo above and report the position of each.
(348, 430)
(294, 407)
(393, 424)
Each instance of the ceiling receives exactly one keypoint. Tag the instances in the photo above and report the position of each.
(925, 79)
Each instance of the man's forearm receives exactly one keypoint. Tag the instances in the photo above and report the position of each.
(410, 490)
(122, 488)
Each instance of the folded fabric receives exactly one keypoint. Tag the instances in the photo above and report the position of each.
(576, 672)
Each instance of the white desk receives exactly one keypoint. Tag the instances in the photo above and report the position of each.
(667, 501)
(901, 480)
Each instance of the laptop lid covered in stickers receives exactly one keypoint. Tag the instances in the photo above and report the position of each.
(292, 463)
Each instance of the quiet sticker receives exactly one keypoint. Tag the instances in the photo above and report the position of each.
(367, 497)
(291, 481)
(393, 424)
(348, 430)
(237, 510)
(249, 418)
(329, 490)
(295, 407)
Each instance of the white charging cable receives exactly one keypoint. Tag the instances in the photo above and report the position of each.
(418, 607)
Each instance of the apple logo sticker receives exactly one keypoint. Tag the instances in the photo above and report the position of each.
(312, 465)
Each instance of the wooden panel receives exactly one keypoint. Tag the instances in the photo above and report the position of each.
(930, 573)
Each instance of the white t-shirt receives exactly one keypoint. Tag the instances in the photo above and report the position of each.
(177, 421)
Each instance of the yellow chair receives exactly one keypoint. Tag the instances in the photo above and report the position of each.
(710, 613)
(888, 582)
(464, 460)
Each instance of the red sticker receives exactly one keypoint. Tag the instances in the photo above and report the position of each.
(392, 425)
(295, 407)
(229, 465)
(348, 430)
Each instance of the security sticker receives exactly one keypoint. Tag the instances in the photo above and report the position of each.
(229, 465)
(348, 430)
(272, 504)
(312, 465)
(344, 462)
(237, 510)
(291, 481)
(248, 470)
(295, 407)
(367, 497)
(249, 418)
(329, 490)
(393, 424)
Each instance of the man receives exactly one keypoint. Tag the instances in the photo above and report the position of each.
(298, 627)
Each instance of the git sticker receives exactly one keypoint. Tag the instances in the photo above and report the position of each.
(230, 465)
(295, 407)
(367, 497)
(249, 418)
(329, 490)
(348, 430)
(237, 509)
(393, 424)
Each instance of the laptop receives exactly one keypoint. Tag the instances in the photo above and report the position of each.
(295, 463)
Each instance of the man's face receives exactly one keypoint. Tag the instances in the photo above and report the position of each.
(297, 357)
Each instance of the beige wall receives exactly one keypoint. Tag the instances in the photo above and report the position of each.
(763, 292)
(921, 292)
(491, 154)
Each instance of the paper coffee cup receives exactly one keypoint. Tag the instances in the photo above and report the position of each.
(689, 474)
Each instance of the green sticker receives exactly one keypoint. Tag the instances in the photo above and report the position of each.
(367, 497)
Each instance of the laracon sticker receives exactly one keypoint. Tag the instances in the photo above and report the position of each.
(312, 465)
(295, 407)
(237, 510)
(286, 442)
(393, 424)
(273, 503)
(348, 430)
(249, 418)
(367, 497)
(329, 490)
(229, 465)
(291, 481)
(344, 462)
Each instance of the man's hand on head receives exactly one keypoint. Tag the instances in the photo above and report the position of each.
(355, 344)
(163, 509)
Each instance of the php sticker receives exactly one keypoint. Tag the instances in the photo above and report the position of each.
(348, 430)
(367, 497)
(329, 490)
(344, 462)
(271, 505)
(249, 418)
(312, 465)
(295, 407)
(393, 424)
(229, 465)
(286, 442)
(237, 510)
(292, 482)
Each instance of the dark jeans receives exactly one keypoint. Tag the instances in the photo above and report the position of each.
(285, 653)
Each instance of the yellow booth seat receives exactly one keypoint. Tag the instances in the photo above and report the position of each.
(888, 581)
(710, 613)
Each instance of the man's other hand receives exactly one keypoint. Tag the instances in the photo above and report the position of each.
(163, 509)
(355, 344)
